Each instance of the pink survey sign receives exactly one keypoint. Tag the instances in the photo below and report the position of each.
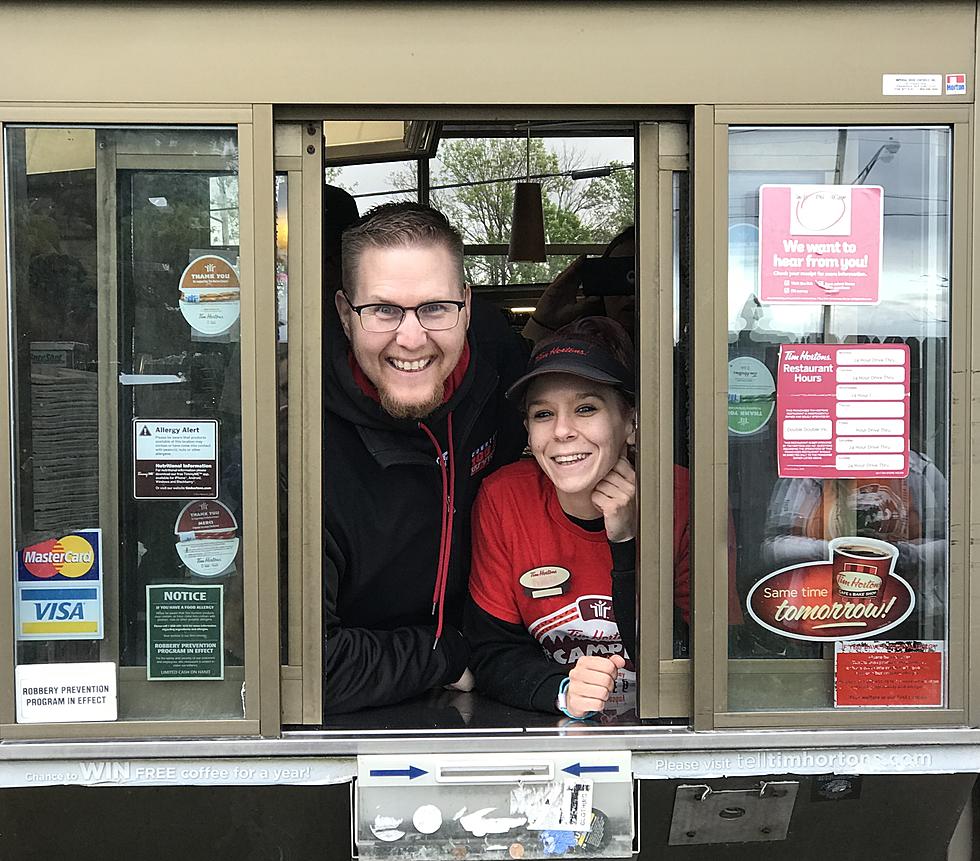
(842, 411)
(820, 244)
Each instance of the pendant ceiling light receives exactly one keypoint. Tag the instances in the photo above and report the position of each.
(527, 224)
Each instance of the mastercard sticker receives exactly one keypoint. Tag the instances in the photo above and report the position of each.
(59, 588)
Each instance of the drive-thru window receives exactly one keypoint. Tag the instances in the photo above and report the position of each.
(785, 229)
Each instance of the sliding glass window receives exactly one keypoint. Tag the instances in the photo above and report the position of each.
(839, 416)
(127, 423)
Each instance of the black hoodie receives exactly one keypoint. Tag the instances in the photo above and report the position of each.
(382, 520)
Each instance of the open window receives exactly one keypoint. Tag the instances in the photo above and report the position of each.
(598, 176)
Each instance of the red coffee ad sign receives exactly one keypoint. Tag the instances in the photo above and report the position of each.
(820, 244)
(853, 595)
(889, 673)
(842, 411)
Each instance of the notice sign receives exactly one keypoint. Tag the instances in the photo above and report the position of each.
(889, 673)
(184, 632)
(820, 244)
(842, 411)
(59, 693)
(175, 459)
(59, 588)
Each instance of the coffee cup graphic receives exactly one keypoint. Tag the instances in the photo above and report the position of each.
(860, 568)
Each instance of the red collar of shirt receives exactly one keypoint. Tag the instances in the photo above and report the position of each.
(449, 387)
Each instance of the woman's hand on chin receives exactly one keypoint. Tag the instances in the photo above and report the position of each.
(615, 497)
(590, 683)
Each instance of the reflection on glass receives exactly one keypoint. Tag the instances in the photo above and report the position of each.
(376, 183)
(682, 347)
(835, 591)
(282, 392)
(126, 300)
(472, 182)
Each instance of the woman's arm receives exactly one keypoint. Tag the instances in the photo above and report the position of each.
(505, 659)
(508, 663)
(624, 592)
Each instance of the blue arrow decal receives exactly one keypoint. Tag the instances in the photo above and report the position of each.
(578, 769)
(411, 772)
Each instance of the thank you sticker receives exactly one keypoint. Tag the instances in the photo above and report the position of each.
(207, 537)
(210, 295)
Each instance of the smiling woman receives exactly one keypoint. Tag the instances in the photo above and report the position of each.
(560, 636)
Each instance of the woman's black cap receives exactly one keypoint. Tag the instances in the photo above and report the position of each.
(578, 357)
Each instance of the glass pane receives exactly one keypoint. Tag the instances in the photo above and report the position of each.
(282, 397)
(587, 188)
(838, 426)
(376, 183)
(682, 366)
(127, 422)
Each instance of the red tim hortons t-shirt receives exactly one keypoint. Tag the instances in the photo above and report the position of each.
(532, 566)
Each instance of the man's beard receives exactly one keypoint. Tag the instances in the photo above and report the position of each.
(416, 410)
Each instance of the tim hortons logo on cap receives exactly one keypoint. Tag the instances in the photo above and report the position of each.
(554, 351)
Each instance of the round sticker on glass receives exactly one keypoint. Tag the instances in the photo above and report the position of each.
(210, 295)
(207, 538)
(751, 395)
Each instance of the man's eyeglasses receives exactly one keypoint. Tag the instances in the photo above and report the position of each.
(385, 317)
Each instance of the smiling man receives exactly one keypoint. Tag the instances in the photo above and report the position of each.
(414, 418)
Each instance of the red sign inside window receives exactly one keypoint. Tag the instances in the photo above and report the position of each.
(906, 673)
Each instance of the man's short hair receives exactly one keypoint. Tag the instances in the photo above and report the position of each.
(399, 225)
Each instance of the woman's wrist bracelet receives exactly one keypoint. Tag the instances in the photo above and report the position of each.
(563, 702)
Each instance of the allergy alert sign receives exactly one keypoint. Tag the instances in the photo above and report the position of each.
(175, 459)
(842, 411)
(820, 244)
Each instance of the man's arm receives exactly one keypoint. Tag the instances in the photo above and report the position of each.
(364, 667)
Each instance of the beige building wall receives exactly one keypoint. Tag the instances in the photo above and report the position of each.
(565, 53)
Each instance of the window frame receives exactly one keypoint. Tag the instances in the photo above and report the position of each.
(665, 134)
(709, 454)
(256, 213)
